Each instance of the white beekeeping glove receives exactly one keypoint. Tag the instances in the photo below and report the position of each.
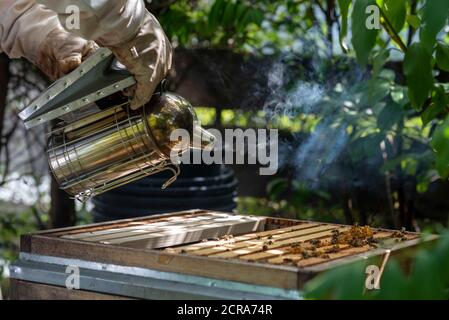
(130, 31)
(61, 52)
(148, 56)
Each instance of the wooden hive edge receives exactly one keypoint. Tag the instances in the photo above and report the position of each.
(259, 273)
(280, 276)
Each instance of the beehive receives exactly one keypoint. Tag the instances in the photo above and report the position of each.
(227, 250)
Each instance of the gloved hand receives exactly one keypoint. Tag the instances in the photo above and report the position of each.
(148, 56)
(61, 52)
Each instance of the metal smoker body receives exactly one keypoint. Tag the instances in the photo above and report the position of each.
(104, 149)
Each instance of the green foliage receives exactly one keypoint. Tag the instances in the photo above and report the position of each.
(344, 9)
(424, 56)
(434, 17)
(418, 70)
(440, 143)
(12, 225)
(428, 278)
(219, 24)
(395, 11)
(363, 39)
(437, 107)
(413, 21)
(442, 56)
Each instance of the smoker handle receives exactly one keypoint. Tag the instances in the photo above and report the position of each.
(119, 68)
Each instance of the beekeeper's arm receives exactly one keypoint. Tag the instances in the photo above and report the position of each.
(128, 29)
(32, 31)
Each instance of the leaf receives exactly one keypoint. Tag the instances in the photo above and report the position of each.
(229, 15)
(363, 39)
(414, 21)
(251, 16)
(346, 282)
(425, 281)
(389, 116)
(395, 11)
(216, 13)
(418, 72)
(377, 90)
(434, 18)
(440, 144)
(393, 284)
(344, 8)
(240, 14)
(276, 187)
(240, 10)
(442, 56)
(365, 147)
(438, 106)
(379, 61)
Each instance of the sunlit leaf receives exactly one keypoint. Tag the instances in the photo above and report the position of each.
(413, 20)
(395, 11)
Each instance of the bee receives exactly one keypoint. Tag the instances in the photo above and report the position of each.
(333, 249)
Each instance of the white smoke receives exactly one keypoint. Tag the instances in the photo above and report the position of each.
(312, 156)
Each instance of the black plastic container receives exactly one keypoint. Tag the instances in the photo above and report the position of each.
(211, 187)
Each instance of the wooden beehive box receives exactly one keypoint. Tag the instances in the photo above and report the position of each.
(264, 251)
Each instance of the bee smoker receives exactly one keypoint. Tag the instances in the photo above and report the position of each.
(99, 143)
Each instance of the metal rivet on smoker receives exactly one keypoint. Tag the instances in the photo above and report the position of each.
(100, 93)
(85, 100)
(116, 86)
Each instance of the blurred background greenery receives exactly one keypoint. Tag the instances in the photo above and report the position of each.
(362, 116)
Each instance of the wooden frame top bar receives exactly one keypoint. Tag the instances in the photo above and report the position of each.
(61, 243)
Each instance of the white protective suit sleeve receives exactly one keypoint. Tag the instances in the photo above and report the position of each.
(125, 26)
(23, 27)
(32, 31)
(132, 33)
(109, 22)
